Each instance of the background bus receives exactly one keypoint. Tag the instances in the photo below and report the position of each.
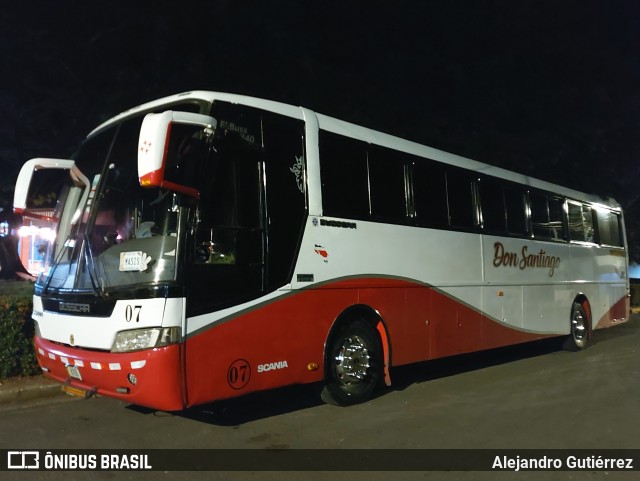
(255, 244)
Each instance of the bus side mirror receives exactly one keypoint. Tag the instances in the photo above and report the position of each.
(25, 177)
(162, 139)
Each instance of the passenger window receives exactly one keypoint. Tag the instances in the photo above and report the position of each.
(430, 194)
(556, 218)
(493, 209)
(547, 215)
(387, 185)
(460, 187)
(580, 222)
(516, 212)
(345, 183)
(609, 228)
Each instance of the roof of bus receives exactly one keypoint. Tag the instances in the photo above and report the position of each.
(360, 133)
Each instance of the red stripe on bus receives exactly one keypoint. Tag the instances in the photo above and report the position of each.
(422, 324)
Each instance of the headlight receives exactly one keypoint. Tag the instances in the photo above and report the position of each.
(149, 338)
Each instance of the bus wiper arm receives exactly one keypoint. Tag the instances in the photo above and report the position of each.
(56, 263)
(97, 286)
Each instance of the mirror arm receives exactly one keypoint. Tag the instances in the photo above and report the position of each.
(182, 189)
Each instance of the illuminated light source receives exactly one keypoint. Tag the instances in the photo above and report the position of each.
(132, 379)
(47, 233)
(312, 366)
(32, 230)
(26, 230)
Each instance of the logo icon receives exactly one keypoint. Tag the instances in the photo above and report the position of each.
(322, 252)
(298, 171)
(23, 460)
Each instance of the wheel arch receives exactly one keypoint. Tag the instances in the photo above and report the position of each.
(372, 317)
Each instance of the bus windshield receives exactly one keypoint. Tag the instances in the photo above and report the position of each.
(126, 235)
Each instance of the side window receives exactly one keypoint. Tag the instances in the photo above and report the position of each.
(430, 194)
(576, 229)
(539, 215)
(228, 244)
(514, 200)
(587, 219)
(547, 215)
(580, 222)
(556, 218)
(460, 194)
(387, 185)
(609, 228)
(345, 183)
(284, 160)
(494, 217)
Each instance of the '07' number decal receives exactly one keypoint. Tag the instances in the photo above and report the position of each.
(239, 374)
(132, 313)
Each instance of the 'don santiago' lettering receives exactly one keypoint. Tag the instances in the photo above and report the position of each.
(524, 260)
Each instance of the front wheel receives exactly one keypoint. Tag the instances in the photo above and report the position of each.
(579, 334)
(353, 364)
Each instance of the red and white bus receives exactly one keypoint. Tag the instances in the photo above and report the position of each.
(211, 245)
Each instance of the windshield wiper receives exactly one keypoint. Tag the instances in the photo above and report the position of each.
(98, 287)
(58, 261)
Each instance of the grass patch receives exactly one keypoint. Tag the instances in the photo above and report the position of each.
(16, 288)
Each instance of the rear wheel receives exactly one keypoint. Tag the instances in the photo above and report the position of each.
(353, 364)
(579, 335)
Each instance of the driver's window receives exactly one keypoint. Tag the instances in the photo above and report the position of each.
(229, 230)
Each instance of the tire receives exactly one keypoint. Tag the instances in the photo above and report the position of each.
(579, 330)
(353, 364)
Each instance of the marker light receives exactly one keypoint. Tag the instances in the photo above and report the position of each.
(149, 338)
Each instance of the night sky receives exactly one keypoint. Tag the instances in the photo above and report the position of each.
(546, 88)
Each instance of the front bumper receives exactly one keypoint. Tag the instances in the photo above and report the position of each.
(157, 373)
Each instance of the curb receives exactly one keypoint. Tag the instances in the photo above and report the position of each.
(23, 390)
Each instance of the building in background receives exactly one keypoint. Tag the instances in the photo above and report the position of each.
(33, 237)
(23, 242)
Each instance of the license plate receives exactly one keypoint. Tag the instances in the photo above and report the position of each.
(74, 372)
(130, 261)
(74, 391)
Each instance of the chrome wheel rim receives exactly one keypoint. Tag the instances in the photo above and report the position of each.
(578, 326)
(352, 361)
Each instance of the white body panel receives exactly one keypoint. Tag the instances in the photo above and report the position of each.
(99, 332)
(527, 297)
